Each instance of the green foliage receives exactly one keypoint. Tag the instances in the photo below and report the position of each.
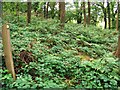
(58, 56)
(5, 78)
(23, 82)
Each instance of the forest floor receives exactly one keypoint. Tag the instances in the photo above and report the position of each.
(46, 56)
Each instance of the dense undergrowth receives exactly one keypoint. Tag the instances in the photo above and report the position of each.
(46, 56)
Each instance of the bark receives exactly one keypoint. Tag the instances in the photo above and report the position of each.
(117, 20)
(59, 10)
(113, 15)
(79, 12)
(84, 11)
(46, 4)
(7, 50)
(47, 9)
(28, 12)
(62, 13)
(79, 19)
(88, 12)
(109, 22)
(44, 9)
(105, 18)
(52, 7)
(117, 54)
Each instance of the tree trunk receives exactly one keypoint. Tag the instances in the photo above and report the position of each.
(44, 9)
(117, 54)
(117, 20)
(62, 13)
(47, 9)
(109, 24)
(117, 23)
(79, 19)
(105, 16)
(7, 50)
(113, 15)
(52, 7)
(88, 12)
(84, 13)
(28, 12)
(78, 12)
(105, 19)
(59, 10)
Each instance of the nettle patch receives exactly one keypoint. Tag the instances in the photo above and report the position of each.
(77, 57)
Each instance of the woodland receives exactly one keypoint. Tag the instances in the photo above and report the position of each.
(60, 45)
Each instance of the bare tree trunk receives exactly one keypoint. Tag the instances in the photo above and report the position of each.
(117, 20)
(28, 12)
(113, 15)
(7, 50)
(117, 53)
(78, 11)
(109, 22)
(84, 11)
(88, 12)
(44, 9)
(47, 9)
(59, 10)
(117, 23)
(62, 13)
(105, 16)
(79, 19)
(105, 19)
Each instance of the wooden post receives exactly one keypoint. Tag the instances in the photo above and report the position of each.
(7, 50)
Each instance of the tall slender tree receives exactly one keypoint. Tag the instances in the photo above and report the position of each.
(52, 7)
(88, 12)
(104, 12)
(47, 6)
(109, 22)
(44, 9)
(79, 20)
(28, 11)
(117, 19)
(113, 14)
(84, 12)
(59, 10)
(62, 13)
(117, 53)
(78, 11)
(105, 16)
